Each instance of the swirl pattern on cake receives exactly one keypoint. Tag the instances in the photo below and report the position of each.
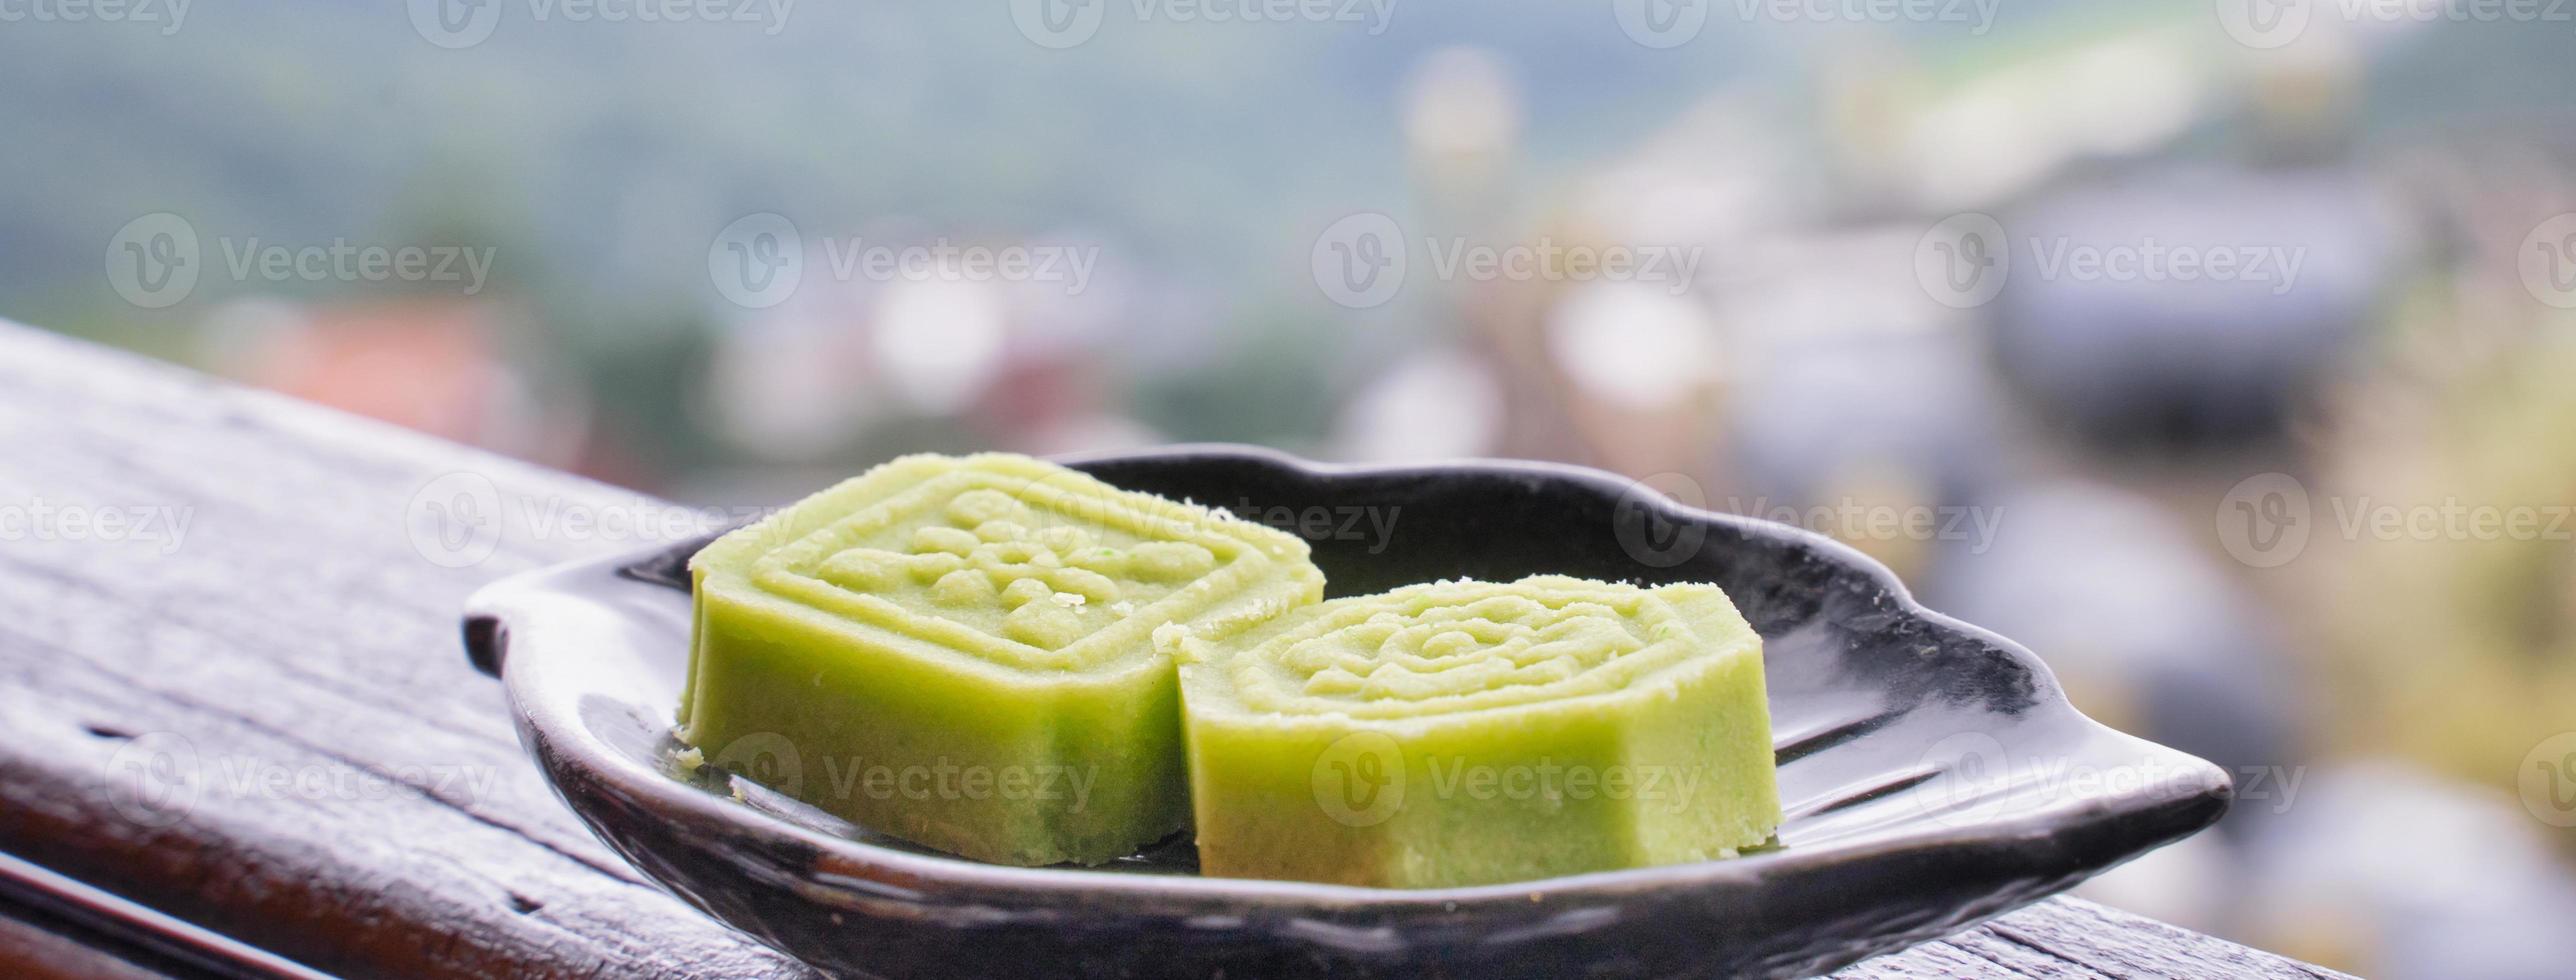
(1045, 571)
(1463, 646)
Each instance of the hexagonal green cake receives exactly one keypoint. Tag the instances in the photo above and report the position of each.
(959, 651)
(1470, 733)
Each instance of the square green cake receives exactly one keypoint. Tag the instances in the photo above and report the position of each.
(1469, 733)
(959, 651)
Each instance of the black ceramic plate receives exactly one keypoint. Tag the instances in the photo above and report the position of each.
(1933, 773)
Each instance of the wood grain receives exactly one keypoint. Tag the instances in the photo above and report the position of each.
(264, 725)
(29, 950)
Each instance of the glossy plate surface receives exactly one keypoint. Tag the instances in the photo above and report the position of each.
(1934, 774)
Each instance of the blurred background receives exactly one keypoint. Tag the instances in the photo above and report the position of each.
(2219, 352)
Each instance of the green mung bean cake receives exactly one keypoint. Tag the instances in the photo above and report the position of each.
(1466, 733)
(959, 651)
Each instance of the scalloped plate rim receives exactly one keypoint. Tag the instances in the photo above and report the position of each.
(558, 739)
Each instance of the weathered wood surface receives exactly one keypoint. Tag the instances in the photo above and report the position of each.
(333, 782)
